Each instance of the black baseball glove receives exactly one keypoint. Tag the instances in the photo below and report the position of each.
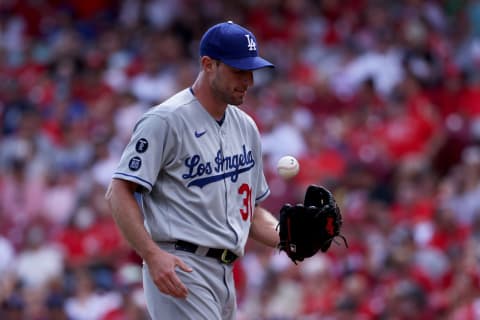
(306, 228)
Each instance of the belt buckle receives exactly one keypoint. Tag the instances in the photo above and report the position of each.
(225, 258)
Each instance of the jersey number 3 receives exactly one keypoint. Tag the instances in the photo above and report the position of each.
(247, 209)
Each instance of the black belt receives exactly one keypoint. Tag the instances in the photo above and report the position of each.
(223, 255)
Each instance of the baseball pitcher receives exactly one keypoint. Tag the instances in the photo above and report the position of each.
(196, 162)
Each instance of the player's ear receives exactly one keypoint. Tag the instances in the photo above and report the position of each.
(208, 64)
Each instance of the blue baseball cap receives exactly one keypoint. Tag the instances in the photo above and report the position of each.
(233, 45)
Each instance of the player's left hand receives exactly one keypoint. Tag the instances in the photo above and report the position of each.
(309, 227)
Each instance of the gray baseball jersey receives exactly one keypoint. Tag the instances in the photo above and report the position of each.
(201, 179)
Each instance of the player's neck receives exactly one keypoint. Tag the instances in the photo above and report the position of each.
(203, 94)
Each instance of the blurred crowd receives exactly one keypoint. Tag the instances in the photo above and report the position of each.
(379, 101)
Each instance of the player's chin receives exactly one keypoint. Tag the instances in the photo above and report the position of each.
(238, 98)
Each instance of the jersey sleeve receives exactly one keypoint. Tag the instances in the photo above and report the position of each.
(144, 155)
(263, 190)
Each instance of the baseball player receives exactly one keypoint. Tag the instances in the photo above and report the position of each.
(196, 162)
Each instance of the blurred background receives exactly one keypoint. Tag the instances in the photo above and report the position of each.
(379, 101)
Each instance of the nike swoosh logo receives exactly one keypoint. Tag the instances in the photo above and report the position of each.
(199, 134)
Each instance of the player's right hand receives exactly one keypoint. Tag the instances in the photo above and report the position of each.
(161, 267)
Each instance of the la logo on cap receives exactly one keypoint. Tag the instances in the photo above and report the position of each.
(252, 46)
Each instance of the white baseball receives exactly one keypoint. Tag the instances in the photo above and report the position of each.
(288, 167)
